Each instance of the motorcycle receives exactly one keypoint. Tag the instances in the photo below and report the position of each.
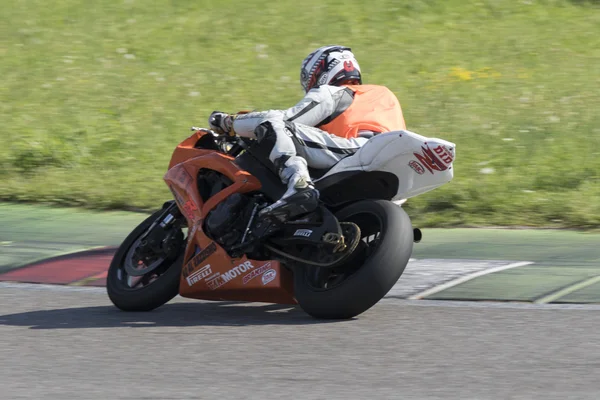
(211, 242)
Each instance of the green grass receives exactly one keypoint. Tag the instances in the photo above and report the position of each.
(95, 95)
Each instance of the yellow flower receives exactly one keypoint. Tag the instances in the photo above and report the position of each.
(461, 74)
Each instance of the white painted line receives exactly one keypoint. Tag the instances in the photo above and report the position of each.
(489, 304)
(549, 298)
(466, 278)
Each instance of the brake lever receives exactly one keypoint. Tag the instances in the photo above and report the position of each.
(196, 129)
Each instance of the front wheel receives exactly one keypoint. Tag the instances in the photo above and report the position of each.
(374, 268)
(145, 271)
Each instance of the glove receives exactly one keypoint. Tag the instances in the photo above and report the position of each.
(221, 123)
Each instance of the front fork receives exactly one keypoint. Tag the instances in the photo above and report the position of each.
(164, 235)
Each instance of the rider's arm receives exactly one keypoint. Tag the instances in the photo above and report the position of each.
(318, 105)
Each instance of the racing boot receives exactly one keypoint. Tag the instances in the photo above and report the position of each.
(301, 197)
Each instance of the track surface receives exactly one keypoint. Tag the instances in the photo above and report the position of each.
(553, 266)
(63, 342)
(70, 343)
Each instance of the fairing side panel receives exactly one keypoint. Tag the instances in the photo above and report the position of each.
(209, 272)
(420, 163)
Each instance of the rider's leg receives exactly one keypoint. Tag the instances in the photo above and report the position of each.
(321, 149)
(301, 196)
(291, 148)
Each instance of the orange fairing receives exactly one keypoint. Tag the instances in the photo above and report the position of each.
(185, 150)
(212, 275)
(209, 272)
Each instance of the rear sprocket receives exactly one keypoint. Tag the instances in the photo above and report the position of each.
(334, 250)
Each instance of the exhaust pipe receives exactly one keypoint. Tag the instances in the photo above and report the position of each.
(417, 235)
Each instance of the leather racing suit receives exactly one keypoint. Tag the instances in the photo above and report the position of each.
(328, 124)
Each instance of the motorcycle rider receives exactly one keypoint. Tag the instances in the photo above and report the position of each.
(335, 118)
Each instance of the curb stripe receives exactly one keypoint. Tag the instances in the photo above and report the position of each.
(89, 279)
(466, 278)
(59, 256)
(553, 296)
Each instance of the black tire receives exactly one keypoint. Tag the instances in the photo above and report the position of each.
(376, 272)
(148, 297)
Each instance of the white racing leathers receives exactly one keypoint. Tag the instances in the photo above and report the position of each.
(294, 139)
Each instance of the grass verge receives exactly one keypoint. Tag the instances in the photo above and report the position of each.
(95, 96)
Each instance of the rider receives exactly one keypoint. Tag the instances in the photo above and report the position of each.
(334, 119)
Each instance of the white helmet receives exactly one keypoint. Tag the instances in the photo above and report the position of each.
(329, 65)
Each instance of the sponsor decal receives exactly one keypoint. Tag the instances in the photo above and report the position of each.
(219, 280)
(256, 272)
(189, 208)
(442, 153)
(199, 259)
(418, 168)
(183, 177)
(176, 195)
(303, 232)
(214, 282)
(430, 160)
(199, 275)
(348, 66)
(268, 276)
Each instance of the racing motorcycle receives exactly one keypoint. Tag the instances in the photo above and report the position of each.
(212, 243)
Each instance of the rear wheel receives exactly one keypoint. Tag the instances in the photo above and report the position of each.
(374, 268)
(144, 273)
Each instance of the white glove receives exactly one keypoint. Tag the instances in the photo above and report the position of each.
(221, 123)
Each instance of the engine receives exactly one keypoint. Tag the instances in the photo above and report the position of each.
(227, 222)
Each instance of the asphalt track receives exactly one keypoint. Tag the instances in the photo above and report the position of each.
(70, 343)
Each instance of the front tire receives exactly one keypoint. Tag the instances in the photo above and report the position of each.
(148, 292)
(376, 266)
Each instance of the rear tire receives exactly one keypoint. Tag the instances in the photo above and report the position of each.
(376, 269)
(153, 295)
